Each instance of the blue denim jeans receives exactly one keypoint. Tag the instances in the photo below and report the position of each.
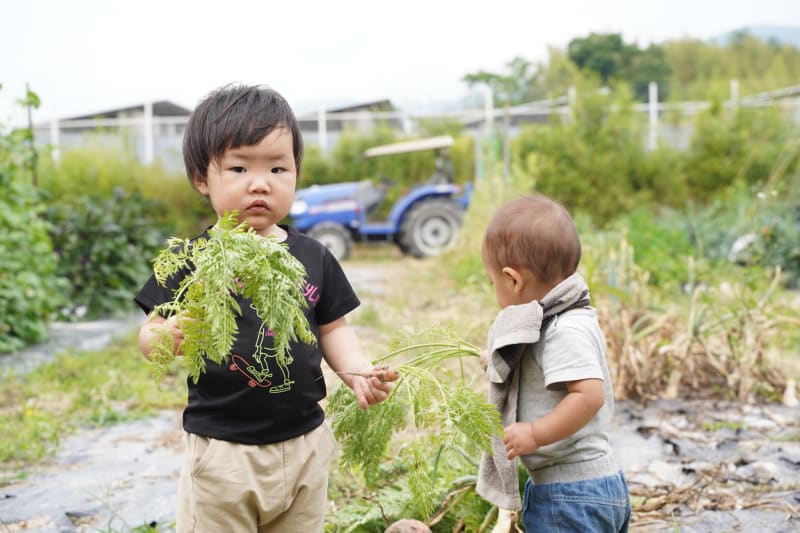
(595, 505)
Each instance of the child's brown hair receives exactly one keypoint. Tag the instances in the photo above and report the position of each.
(535, 233)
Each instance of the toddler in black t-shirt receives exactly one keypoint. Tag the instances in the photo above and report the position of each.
(257, 445)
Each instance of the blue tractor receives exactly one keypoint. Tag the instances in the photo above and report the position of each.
(421, 223)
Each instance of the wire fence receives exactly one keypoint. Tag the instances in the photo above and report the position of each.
(150, 137)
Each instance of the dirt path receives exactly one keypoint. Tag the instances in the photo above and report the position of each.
(700, 466)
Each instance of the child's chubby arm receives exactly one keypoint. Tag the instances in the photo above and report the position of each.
(584, 398)
(150, 332)
(343, 353)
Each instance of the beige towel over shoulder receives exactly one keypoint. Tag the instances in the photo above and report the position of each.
(515, 327)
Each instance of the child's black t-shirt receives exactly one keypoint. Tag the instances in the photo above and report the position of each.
(250, 399)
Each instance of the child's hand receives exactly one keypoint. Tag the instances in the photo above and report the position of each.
(507, 520)
(370, 391)
(519, 439)
(484, 359)
(172, 325)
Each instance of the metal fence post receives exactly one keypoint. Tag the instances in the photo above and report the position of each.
(148, 132)
(572, 100)
(322, 130)
(652, 104)
(734, 93)
(55, 139)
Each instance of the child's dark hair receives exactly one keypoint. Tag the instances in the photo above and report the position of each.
(232, 116)
(535, 233)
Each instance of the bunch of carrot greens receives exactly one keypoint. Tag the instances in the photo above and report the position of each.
(428, 399)
(232, 262)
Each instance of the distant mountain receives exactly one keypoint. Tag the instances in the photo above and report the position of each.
(783, 34)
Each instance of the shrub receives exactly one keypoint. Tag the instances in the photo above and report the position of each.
(102, 171)
(594, 160)
(105, 246)
(760, 229)
(660, 243)
(28, 282)
(739, 148)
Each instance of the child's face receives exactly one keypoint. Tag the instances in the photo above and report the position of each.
(502, 283)
(258, 181)
(503, 289)
(514, 286)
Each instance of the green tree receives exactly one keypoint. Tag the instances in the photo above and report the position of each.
(649, 65)
(607, 55)
(554, 76)
(516, 86)
(603, 53)
(684, 69)
(697, 66)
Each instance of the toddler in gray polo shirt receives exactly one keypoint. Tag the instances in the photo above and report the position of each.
(548, 376)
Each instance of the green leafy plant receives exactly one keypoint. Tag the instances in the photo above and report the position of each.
(429, 402)
(29, 284)
(103, 169)
(233, 261)
(103, 244)
(743, 147)
(660, 243)
(594, 160)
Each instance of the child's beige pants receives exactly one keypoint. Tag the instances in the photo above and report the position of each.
(231, 488)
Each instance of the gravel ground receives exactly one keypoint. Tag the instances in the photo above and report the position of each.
(692, 466)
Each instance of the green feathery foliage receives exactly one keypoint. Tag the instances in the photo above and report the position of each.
(427, 396)
(233, 261)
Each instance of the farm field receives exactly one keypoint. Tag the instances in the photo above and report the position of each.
(698, 465)
(679, 162)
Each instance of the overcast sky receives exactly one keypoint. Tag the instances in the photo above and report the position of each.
(85, 56)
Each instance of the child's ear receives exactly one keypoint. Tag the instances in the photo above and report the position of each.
(516, 277)
(200, 184)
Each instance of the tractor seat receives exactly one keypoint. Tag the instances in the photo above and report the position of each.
(370, 195)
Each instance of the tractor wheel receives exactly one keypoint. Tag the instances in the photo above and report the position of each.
(429, 227)
(335, 237)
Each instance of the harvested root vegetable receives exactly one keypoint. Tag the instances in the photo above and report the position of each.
(383, 372)
(408, 525)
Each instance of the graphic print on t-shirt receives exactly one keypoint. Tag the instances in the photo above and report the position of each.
(257, 374)
(254, 377)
